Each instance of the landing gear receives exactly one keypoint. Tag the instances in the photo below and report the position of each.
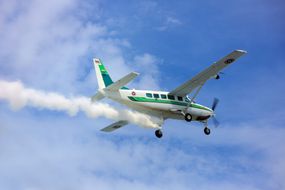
(188, 117)
(207, 131)
(158, 133)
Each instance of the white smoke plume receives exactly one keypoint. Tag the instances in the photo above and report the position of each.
(18, 97)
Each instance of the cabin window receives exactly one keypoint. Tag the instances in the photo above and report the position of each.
(163, 96)
(179, 98)
(170, 97)
(148, 95)
(156, 95)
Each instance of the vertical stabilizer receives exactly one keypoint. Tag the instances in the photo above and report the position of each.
(102, 74)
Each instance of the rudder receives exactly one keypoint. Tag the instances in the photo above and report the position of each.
(102, 74)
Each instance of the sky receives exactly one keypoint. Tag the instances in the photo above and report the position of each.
(49, 46)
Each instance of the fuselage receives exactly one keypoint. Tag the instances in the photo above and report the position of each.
(159, 104)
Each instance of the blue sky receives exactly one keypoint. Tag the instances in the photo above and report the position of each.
(50, 45)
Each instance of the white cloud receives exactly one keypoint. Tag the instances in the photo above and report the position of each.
(169, 22)
(38, 154)
(44, 42)
(172, 20)
(148, 66)
(51, 44)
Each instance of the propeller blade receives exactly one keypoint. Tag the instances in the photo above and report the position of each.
(216, 122)
(215, 103)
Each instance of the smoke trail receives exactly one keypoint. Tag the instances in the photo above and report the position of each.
(18, 97)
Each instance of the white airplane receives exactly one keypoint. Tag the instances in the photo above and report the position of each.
(159, 104)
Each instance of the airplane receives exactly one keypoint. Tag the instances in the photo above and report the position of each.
(162, 105)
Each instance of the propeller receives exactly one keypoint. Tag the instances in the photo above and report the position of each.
(215, 103)
(214, 106)
(215, 121)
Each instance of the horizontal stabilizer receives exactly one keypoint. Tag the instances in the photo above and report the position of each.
(115, 126)
(122, 82)
(98, 96)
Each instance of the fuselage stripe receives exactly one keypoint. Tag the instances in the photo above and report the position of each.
(150, 100)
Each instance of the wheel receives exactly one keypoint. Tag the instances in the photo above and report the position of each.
(207, 131)
(188, 117)
(158, 133)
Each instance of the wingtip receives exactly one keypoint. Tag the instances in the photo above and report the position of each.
(241, 51)
(136, 73)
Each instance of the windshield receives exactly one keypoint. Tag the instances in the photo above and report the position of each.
(187, 99)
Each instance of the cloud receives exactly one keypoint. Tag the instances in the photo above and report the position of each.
(36, 153)
(54, 43)
(44, 40)
(148, 66)
(168, 23)
(172, 20)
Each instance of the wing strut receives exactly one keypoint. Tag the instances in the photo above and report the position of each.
(196, 93)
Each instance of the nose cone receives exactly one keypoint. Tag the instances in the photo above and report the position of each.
(208, 111)
(211, 112)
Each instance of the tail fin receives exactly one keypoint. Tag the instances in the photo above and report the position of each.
(102, 74)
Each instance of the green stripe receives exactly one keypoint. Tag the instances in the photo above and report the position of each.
(107, 79)
(103, 69)
(105, 75)
(144, 99)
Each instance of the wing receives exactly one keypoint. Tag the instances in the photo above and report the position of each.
(205, 75)
(115, 126)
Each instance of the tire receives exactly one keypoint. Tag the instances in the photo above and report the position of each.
(158, 133)
(188, 117)
(207, 131)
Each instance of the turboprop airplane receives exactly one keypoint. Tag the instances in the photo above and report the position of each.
(159, 104)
